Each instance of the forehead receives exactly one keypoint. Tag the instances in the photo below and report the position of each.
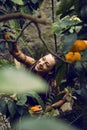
(50, 59)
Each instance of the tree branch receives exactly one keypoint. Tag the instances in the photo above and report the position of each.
(33, 18)
(22, 31)
(54, 54)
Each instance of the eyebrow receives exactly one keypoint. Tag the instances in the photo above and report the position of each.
(44, 57)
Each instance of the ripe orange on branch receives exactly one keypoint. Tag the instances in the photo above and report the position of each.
(69, 56)
(79, 45)
(72, 56)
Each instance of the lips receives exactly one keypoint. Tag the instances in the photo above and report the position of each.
(38, 67)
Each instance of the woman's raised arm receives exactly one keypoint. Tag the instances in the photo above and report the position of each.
(20, 56)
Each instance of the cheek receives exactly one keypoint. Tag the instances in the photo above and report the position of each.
(46, 68)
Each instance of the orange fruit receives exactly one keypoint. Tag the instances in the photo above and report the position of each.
(7, 36)
(76, 56)
(79, 45)
(72, 56)
(69, 56)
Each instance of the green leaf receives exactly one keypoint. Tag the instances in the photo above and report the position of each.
(19, 2)
(61, 73)
(3, 106)
(25, 9)
(22, 110)
(78, 66)
(19, 81)
(62, 7)
(34, 1)
(84, 92)
(63, 25)
(68, 40)
(11, 108)
(44, 124)
(21, 99)
(84, 55)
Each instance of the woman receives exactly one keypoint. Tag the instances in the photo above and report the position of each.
(45, 67)
(42, 66)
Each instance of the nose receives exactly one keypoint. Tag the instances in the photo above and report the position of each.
(41, 65)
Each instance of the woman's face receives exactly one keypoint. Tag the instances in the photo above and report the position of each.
(45, 64)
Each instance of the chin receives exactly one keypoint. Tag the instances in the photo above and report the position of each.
(38, 71)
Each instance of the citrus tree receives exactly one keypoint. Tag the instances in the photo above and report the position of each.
(70, 26)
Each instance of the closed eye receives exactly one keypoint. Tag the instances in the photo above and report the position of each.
(47, 64)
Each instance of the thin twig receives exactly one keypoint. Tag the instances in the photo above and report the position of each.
(39, 33)
(15, 41)
(53, 19)
(52, 10)
(22, 31)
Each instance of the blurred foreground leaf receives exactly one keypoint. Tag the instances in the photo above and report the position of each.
(19, 2)
(19, 81)
(44, 124)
